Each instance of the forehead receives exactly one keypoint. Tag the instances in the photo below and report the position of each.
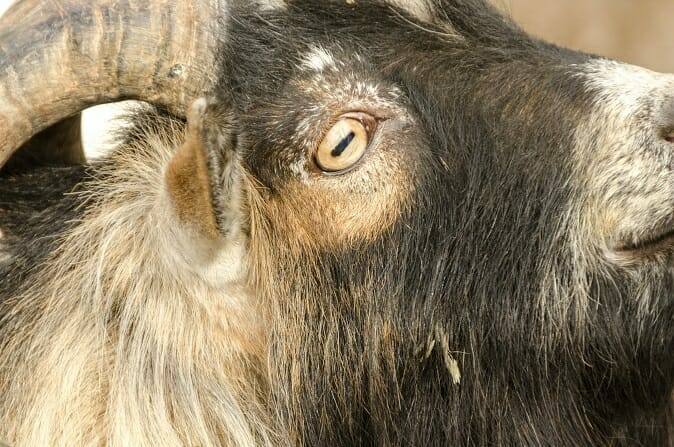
(345, 20)
(377, 49)
(276, 34)
(278, 40)
(333, 72)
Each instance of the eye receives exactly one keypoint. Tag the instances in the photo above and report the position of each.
(345, 143)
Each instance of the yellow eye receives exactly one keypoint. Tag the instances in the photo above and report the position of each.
(343, 145)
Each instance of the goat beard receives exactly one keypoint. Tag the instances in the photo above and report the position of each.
(372, 354)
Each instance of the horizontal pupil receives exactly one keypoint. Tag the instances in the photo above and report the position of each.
(341, 147)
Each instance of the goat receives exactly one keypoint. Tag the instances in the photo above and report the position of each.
(340, 223)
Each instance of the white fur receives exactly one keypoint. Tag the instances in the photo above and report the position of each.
(300, 168)
(623, 87)
(624, 163)
(272, 5)
(318, 59)
(419, 9)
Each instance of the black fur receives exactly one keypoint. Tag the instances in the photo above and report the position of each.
(499, 110)
(35, 209)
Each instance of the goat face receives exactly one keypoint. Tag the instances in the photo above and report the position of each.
(458, 234)
(505, 239)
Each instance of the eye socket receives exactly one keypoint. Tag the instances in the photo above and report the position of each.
(345, 143)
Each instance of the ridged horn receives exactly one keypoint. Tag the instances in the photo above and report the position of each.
(58, 57)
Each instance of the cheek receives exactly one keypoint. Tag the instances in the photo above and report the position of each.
(328, 220)
(334, 213)
(362, 217)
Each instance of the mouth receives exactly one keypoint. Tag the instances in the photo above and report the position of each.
(658, 242)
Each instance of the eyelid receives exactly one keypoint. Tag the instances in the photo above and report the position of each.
(370, 122)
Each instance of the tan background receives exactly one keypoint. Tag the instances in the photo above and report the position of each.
(636, 31)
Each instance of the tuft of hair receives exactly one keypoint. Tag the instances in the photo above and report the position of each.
(131, 341)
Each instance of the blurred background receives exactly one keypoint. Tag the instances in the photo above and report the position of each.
(635, 31)
(640, 32)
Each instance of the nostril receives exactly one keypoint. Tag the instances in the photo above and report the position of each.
(669, 136)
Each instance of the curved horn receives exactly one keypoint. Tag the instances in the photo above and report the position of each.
(58, 57)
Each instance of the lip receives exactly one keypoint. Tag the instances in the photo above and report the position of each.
(655, 243)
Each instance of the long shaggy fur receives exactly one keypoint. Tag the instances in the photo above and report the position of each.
(132, 345)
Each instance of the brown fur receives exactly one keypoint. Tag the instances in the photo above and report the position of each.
(188, 183)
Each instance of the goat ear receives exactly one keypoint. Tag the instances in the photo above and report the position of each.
(202, 176)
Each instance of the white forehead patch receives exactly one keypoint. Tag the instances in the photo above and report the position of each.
(419, 9)
(623, 86)
(318, 59)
